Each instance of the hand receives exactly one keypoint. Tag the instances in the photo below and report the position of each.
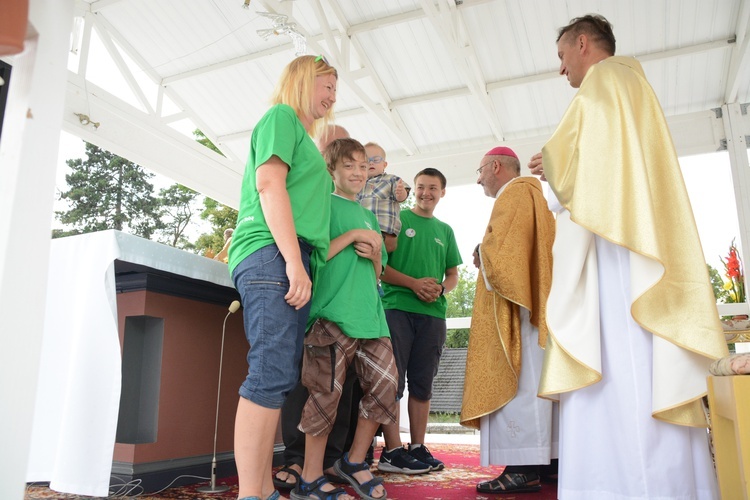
(427, 289)
(400, 192)
(300, 286)
(367, 250)
(535, 165)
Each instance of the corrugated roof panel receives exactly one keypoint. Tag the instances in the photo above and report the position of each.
(431, 77)
(438, 125)
(409, 59)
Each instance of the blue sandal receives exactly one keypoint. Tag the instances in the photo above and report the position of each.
(346, 469)
(313, 491)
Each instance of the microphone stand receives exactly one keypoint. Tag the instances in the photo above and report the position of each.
(212, 488)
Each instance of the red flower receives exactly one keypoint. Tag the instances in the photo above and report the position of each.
(735, 273)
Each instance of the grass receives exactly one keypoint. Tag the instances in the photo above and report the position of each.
(443, 418)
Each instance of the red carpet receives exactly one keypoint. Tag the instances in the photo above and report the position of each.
(457, 482)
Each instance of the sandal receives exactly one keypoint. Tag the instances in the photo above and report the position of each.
(334, 478)
(346, 469)
(511, 482)
(273, 496)
(285, 485)
(314, 491)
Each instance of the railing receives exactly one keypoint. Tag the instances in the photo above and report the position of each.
(456, 323)
(723, 309)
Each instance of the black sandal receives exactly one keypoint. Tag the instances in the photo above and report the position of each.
(314, 491)
(511, 482)
(285, 485)
(346, 469)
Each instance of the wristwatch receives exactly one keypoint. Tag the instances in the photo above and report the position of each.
(442, 292)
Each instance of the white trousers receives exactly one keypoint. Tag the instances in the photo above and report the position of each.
(610, 446)
(521, 433)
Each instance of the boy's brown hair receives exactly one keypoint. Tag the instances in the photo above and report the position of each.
(342, 149)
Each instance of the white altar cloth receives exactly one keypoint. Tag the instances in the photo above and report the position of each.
(78, 396)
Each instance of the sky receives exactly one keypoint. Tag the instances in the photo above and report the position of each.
(466, 209)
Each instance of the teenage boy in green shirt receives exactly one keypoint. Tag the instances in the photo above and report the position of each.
(347, 325)
(422, 269)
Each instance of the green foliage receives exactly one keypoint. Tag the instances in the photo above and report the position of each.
(457, 339)
(461, 305)
(440, 417)
(717, 283)
(201, 138)
(409, 202)
(221, 217)
(61, 233)
(177, 211)
(461, 298)
(109, 192)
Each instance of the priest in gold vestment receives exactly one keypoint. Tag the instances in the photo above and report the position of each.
(632, 320)
(508, 330)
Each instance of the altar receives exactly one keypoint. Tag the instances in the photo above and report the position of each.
(130, 364)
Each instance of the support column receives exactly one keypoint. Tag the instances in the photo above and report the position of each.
(28, 156)
(737, 130)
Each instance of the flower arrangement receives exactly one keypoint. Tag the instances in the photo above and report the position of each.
(735, 274)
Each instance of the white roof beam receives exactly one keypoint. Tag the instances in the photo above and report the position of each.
(340, 34)
(449, 24)
(102, 4)
(384, 116)
(126, 72)
(148, 70)
(83, 52)
(333, 47)
(127, 131)
(401, 131)
(549, 75)
(740, 59)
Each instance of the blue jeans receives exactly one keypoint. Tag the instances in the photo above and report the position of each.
(274, 329)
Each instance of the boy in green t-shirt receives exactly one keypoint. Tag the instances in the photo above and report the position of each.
(422, 269)
(347, 325)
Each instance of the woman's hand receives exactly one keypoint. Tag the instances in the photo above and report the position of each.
(300, 286)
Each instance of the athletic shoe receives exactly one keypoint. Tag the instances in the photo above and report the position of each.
(422, 454)
(401, 462)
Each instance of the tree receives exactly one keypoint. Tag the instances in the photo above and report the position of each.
(109, 192)
(177, 206)
(461, 305)
(221, 217)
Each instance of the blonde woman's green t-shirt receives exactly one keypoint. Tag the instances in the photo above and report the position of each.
(280, 133)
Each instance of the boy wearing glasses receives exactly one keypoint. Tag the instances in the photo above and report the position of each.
(383, 194)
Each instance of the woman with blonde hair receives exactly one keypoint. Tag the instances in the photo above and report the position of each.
(281, 238)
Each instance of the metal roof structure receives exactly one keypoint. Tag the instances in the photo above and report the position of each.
(435, 82)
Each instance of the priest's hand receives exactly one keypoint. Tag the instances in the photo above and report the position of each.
(535, 165)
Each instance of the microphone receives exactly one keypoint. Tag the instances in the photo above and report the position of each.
(233, 308)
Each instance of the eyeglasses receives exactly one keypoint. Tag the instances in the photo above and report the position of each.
(479, 170)
(322, 58)
(375, 159)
